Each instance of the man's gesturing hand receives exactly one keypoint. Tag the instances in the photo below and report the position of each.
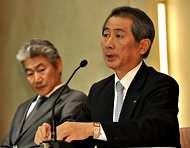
(70, 131)
(43, 133)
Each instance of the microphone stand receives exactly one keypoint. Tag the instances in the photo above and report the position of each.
(54, 143)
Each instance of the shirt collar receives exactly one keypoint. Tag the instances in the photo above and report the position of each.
(127, 79)
(55, 88)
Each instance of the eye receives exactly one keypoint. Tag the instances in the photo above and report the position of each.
(106, 34)
(119, 36)
(29, 73)
(41, 69)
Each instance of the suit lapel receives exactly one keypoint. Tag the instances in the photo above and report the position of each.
(104, 98)
(108, 97)
(134, 93)
(45, 108)
(21, 117)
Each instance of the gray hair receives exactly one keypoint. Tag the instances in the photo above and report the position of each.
(36, 47)
(142, 27)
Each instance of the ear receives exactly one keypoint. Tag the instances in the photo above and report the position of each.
(59, 65)
(144, 45)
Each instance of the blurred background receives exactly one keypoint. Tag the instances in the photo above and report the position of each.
(74, 27)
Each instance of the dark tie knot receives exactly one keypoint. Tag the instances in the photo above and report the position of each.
(41, 99)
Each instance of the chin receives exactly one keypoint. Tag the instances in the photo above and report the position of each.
(110, 65)
(41, 93)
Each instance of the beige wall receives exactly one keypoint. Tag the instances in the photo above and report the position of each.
(74, 26)
(179, 51)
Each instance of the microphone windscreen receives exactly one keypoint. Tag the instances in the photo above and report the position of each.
(83, 63)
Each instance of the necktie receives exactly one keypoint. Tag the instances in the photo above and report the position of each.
(119, 102)
(36, 107)
(34, 111)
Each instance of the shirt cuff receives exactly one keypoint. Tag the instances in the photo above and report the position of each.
(102, 134)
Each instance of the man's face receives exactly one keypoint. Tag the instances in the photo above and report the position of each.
(42, 75)
(120, 50)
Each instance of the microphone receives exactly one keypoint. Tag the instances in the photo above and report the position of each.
(83, 63)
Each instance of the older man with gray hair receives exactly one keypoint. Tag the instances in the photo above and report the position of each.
(43, 67)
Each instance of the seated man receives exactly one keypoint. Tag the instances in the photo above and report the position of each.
(137, 106)
(43, 67)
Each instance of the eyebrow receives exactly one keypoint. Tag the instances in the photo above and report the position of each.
(26, 69)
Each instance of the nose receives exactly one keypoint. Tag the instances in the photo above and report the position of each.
(109, 43)
(37, 78)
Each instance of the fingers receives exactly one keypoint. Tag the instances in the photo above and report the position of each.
(38, 136)
(43, 133)
(62, 131)
(46, 131)
(70, 131)
(70, 139)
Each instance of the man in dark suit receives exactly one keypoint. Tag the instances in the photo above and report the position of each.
(43, 67)
(135, 107)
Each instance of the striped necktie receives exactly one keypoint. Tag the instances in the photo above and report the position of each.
(119, 102)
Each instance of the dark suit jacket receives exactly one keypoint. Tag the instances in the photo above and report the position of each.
(149, 112)
(67, 108)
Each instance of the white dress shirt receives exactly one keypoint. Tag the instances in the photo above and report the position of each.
(125, 81)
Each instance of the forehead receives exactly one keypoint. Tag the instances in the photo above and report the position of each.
(33, 62)
(116, 22)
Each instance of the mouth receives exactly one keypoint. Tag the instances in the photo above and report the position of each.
(110, 57)
(39, 87)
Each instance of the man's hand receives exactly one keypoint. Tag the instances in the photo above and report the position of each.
(70, 131)
(67, 131)
(43, 133)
